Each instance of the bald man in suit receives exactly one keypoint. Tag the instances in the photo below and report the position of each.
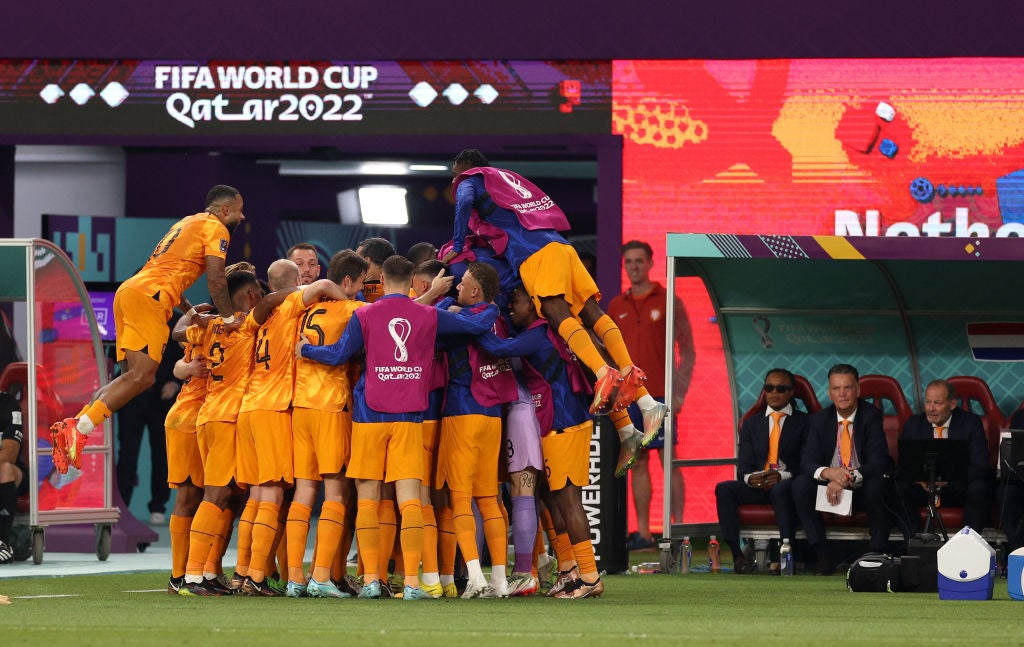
(943, 419)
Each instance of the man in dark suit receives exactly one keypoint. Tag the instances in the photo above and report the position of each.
(769, 455)
(943, 419)
(1011, 493)
(845, 450)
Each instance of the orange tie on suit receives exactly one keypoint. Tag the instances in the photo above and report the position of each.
(773, 439)
(845, 444)
(940, 432)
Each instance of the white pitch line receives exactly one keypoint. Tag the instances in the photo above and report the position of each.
(36, 597)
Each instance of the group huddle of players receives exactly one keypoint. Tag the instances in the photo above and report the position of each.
(249, 379)
(393, 397)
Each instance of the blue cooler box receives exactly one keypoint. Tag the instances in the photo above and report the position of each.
(967, 567)
(1015, 574)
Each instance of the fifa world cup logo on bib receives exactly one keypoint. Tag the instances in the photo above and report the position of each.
(516, 185)
(400, 328)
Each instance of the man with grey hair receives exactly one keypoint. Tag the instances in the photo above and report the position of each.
(942, 418)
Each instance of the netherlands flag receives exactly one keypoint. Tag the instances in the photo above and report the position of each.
(998, 342)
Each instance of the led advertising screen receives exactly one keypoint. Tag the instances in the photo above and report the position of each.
(189, 98)
(919, 147)
(922, 147)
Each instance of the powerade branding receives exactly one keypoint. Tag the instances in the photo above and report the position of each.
(591, 494)
(852, 223)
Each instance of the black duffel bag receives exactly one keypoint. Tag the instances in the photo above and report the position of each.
(874, 573)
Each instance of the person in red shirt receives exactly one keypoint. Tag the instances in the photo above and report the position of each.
(639, 312)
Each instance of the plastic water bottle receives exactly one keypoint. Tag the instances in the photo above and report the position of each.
(785, 558)
(714, 556)
(686, 558)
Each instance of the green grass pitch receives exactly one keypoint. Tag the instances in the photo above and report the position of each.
(697, 608)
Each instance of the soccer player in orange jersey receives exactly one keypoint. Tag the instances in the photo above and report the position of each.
(375, 251)
(228, 354)
(143, 305)
(264, 420)
(322, 432)
(305, 256)
(184, 461)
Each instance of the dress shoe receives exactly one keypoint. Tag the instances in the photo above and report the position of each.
(742, 566)
(826, 565)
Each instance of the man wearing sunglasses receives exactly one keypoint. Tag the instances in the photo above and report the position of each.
(769, 454)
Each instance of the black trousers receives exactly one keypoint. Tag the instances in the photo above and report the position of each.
(729, 495)
(874, 497)
(145, 411)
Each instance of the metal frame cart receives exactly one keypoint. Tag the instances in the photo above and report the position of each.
(64, 365)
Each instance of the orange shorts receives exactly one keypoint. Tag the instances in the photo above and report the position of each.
(140, 322)
(272, 435)
(217, 449)
(556, 270)
(431, 441)
(467, 460)
(386, 451)
(567, 455)
(184, 461)
(322, 442)
(245, 451)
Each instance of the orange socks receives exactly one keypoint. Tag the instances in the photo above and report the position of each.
(429, 540)
(388, 522)
(203, 531)
(611, 337)
(495, 529)
(97, 412)
(264, 530)
(245, 537)
(297, 531)
(220, 541)
(584, 552)
(328, 537)
(465, 524)
(563, 550)
(447, 542)
(368, 536)
(179, 527)
(412, 540)
(579, 342)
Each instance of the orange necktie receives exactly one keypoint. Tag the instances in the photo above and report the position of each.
(940, 432)
(845, 444)
(773, 439)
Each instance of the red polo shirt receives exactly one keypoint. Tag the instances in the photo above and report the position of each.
(642, 322)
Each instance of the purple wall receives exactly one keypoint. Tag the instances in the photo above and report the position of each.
(412, 29)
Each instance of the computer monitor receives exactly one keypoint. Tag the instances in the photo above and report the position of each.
(943, 458)
(1011, 455)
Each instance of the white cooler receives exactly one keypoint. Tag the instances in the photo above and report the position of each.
(967, 567)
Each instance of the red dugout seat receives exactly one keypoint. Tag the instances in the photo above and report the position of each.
(976, 397)
(886, 393)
